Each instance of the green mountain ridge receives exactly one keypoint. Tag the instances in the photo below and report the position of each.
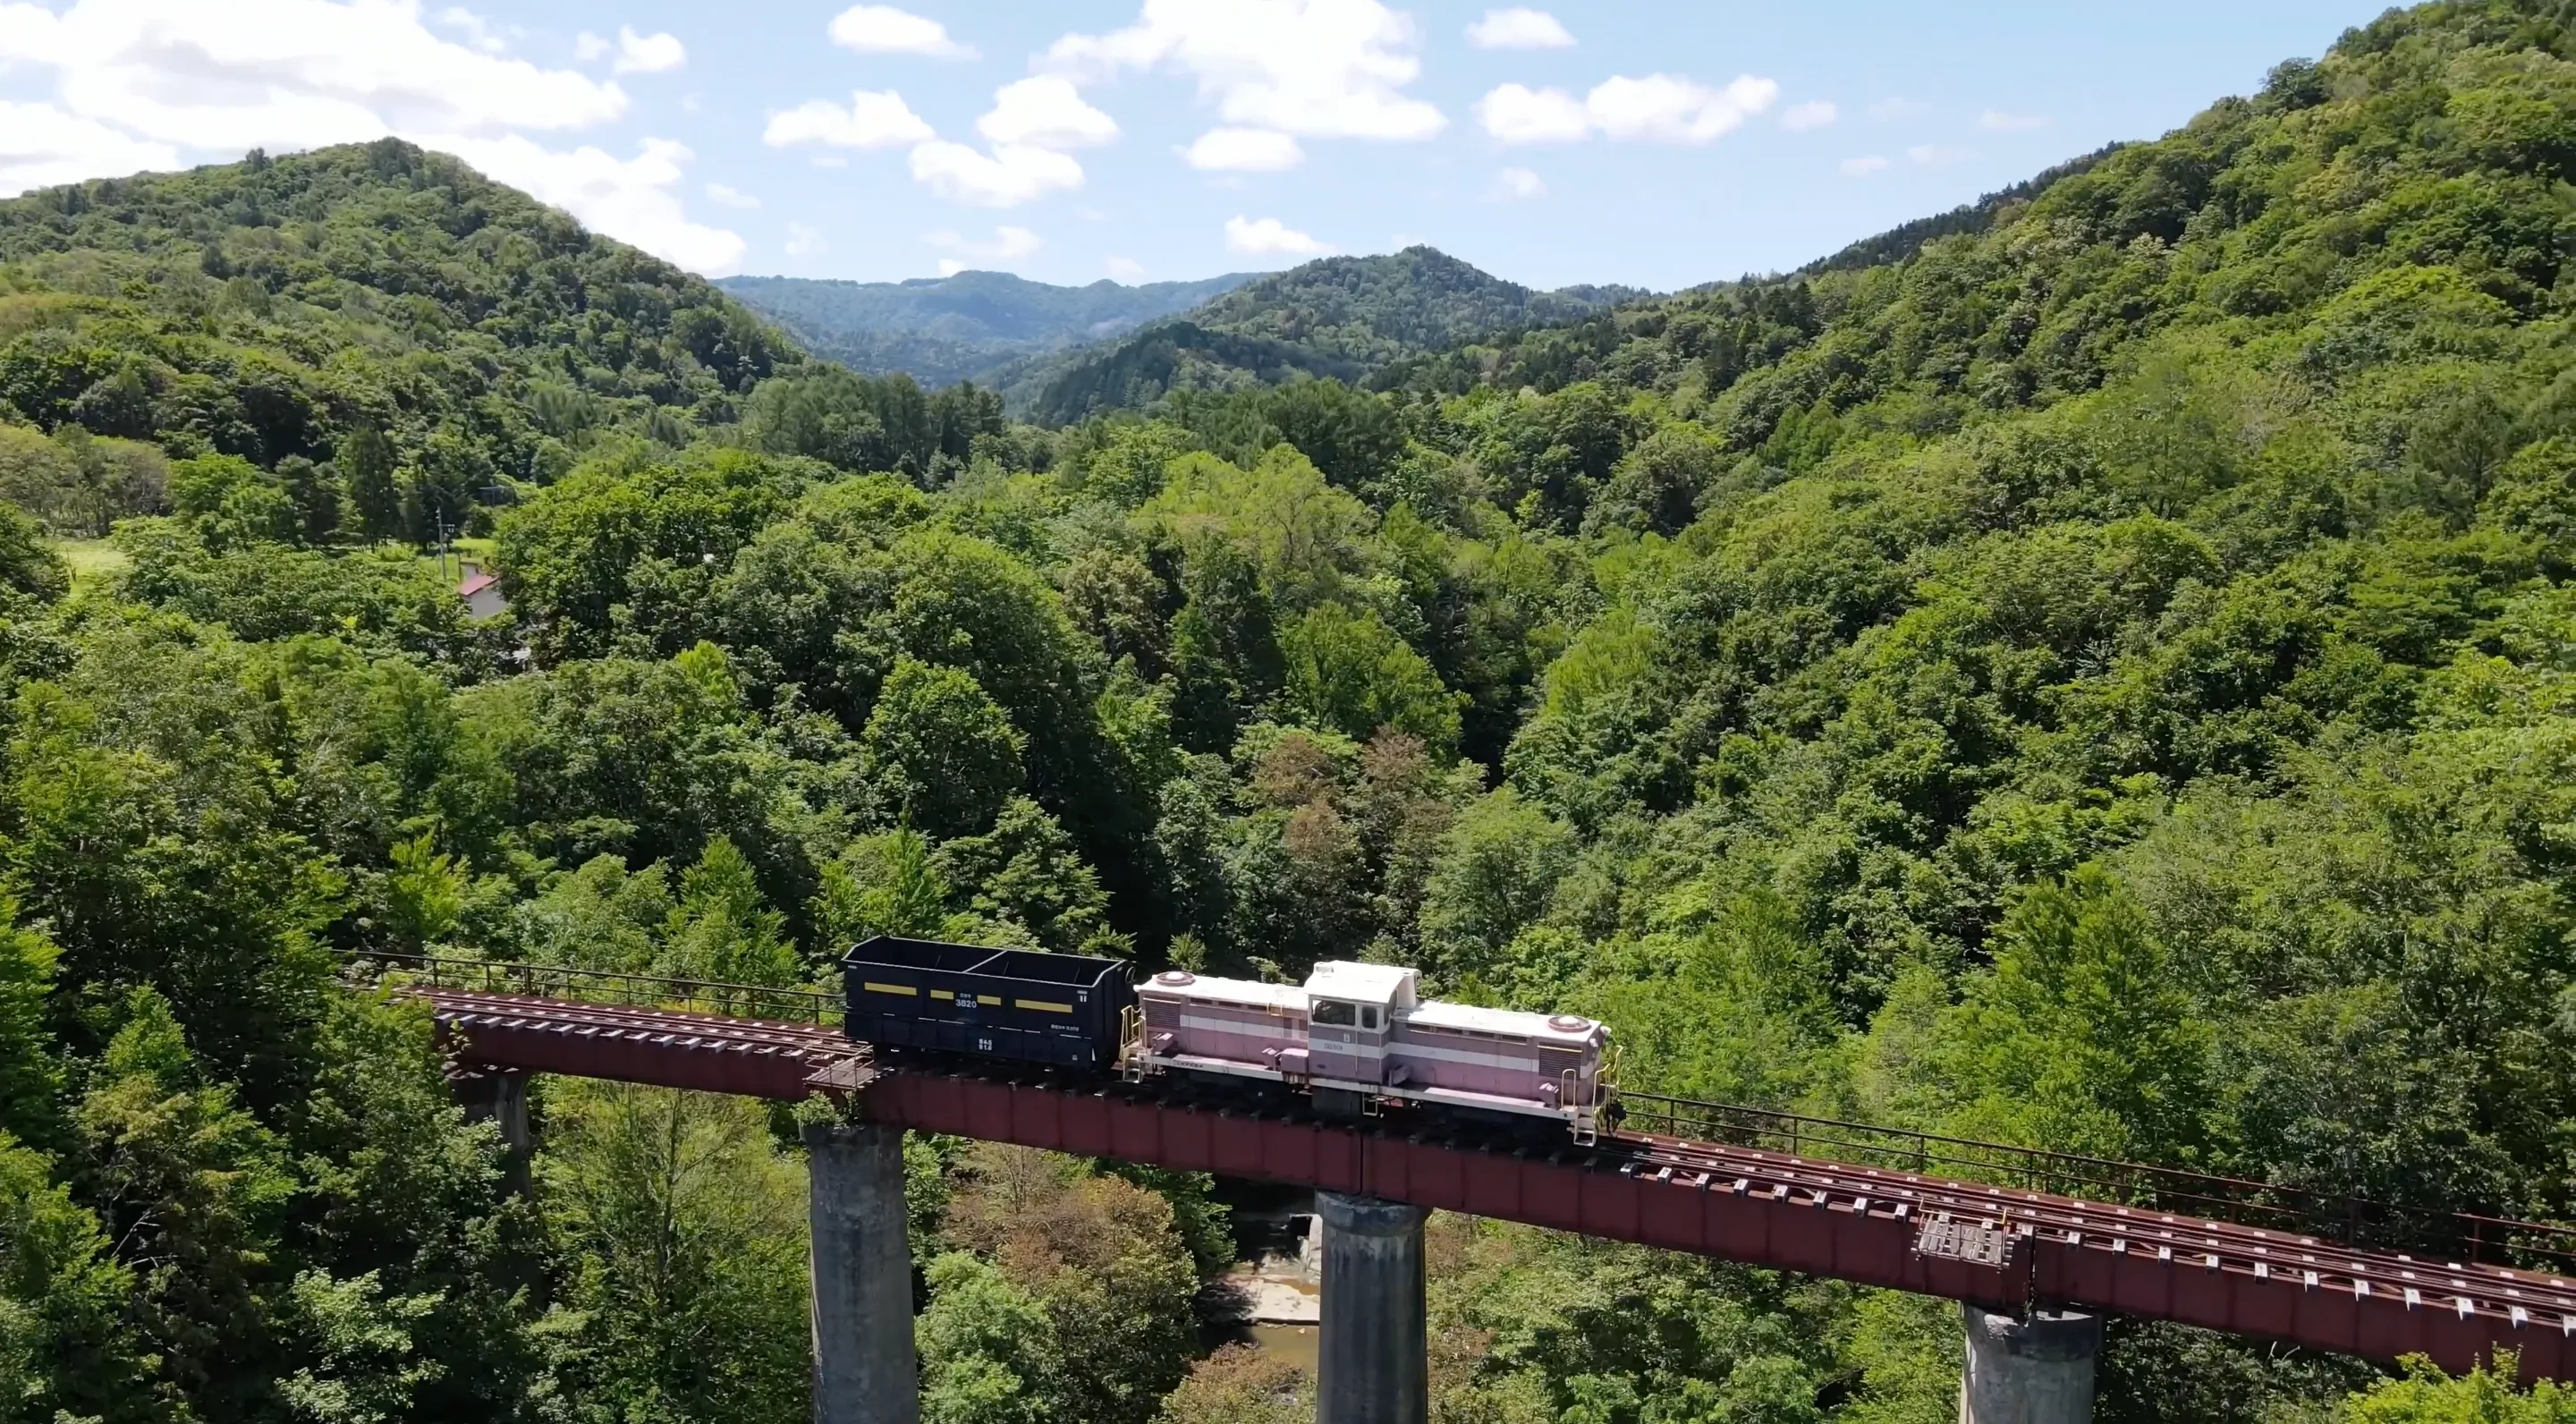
(972, 326)
(2097, 673)
(1337, 316)
(275, 308)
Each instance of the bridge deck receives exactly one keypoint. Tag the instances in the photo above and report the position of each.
(1994, 1246)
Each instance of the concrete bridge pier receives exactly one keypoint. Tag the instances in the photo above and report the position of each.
(2034, 1371)
(1374, 1369)
(864, 1368)
(500, 1096)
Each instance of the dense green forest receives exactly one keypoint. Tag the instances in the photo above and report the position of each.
(2102, 677)
(1341, 318)
(973, 326)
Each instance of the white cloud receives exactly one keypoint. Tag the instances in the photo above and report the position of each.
(1864, 166)
(1664, 109)
(1813, 114)
(804, 241)
(1031, 123)
(1269, 237)
(1518, 29)
(648, 54)
(635, 200)
(41, 146)
(1316, 68)
(1516, 113)
(873, 120)
(1933, 154)
(1244, 151)
(883, 29)
(477, 30)
(587, 46)
(1010, 175)
(1659, 108)
(1006, 243)
(1045, 111)
(1517, 184)
(1124, 269)
(160, 83)
(1997, 121)
(950, 266)
(288, 74)
(730, 197)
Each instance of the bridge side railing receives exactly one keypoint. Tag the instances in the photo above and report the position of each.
(821, 1008)
(2349, 1220)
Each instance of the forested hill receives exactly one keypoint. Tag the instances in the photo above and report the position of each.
(421, 286)
(968, 327)
(1905, 239)
(274, 309)
(2104, 680)
(397, 343)
(1339, 317)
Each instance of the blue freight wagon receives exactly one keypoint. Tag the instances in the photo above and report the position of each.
(1064, 1009)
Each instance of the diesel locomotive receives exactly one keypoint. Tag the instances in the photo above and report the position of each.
(1355, 1039)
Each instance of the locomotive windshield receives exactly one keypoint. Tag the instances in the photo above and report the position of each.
(1333, 1012)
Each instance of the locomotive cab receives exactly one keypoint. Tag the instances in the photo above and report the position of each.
(1350, 1010)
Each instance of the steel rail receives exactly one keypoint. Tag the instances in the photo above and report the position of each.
(2287, 1212)
(2114, 1228)
(2000, 1246)
(2349, 1219)
(603, 987)
(678, 1024)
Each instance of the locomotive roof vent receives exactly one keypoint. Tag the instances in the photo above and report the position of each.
(1176, 978)
(1569, 1023)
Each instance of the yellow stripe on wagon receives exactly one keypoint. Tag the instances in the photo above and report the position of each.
(874, 987)
(945, 994)
(1044, 1006)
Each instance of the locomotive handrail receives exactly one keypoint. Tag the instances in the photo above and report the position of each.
(2348, 1219)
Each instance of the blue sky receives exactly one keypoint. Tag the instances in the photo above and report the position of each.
(1657, 145)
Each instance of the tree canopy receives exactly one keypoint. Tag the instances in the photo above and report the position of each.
(2095, 675)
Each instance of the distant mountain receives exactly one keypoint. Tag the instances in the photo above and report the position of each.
(1341, 316)
(962, 328)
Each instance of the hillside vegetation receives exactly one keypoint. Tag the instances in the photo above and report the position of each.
(1340, 317)
(973, 326)
(271, 310)
(2104, 678)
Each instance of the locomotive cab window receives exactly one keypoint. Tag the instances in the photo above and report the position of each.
(1332, 1012)
(1368, 1015)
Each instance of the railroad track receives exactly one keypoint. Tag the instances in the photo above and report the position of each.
(767, 1058)
(2519, 1298)
(2000, 1228)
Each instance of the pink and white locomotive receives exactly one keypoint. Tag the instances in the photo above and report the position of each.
(1359, 1039)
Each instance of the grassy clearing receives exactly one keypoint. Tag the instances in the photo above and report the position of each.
(477, 551)
(91, 560)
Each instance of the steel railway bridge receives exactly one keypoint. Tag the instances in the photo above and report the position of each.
(2035, 1245)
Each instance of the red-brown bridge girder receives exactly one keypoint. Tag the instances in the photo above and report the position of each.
(1859, 1224)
